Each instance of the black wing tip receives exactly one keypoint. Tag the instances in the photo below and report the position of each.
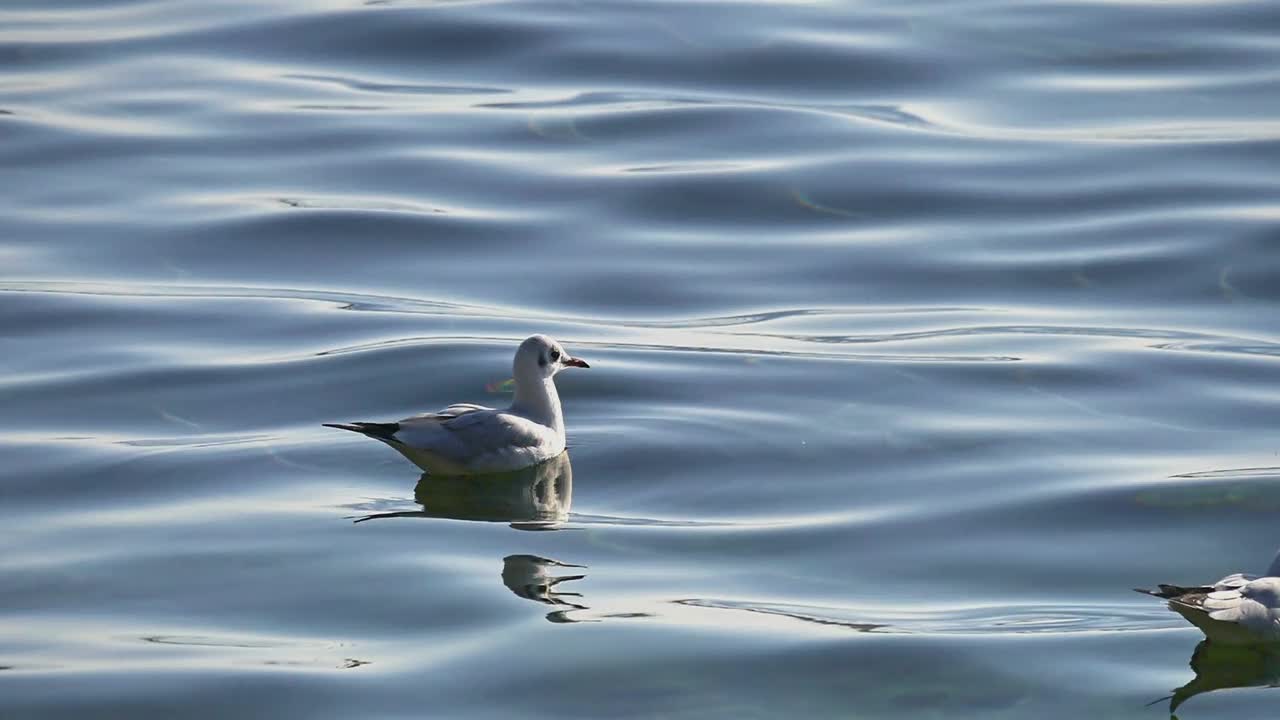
(381, 431)
(1171, 592)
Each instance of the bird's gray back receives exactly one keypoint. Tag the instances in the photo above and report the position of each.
(480, 437)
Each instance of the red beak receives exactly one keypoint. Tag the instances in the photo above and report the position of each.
(575, 362)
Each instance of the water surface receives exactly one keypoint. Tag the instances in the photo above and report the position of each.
(919, 335)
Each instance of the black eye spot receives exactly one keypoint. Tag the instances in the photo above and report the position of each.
(555, 355)
(542, 360)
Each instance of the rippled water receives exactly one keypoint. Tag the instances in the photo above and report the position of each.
(919, 334)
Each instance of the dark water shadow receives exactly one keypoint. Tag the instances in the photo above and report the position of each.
(533, 498)
(1223, 667)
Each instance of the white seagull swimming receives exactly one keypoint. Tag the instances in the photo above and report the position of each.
(1239, 609)
(467, 439)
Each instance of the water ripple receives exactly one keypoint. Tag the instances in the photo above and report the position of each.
(1030, 619)
(396, 88)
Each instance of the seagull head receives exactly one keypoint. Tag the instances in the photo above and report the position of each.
(542, 357)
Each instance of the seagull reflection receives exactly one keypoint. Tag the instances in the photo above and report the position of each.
(1223, 666)
(531, 577)
(532, 498)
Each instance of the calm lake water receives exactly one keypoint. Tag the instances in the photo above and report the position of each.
(920, 333)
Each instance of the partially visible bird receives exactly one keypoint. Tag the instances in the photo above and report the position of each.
(467, 439)
(1239, 609)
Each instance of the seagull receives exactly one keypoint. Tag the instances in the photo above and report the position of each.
(468, 439)
(1239, 609)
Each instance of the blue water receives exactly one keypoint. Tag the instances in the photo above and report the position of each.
(920, 333)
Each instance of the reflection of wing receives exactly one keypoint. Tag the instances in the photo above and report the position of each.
(533, 498)
(1218, 667)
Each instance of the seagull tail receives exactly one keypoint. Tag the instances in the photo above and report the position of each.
(1169, 592)
(379, 431)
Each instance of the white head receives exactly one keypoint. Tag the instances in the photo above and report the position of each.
(540, 358)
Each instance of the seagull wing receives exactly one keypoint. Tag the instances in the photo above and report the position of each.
(391, 432)
(1235, 581)
(1249, 613)
(1225, 605)
(471, 434)
(452, 411)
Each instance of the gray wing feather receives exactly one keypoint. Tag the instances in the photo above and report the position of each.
(462, 433)
(1234, 581)
(492, 431)
(1224, 605)
(452, 411)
